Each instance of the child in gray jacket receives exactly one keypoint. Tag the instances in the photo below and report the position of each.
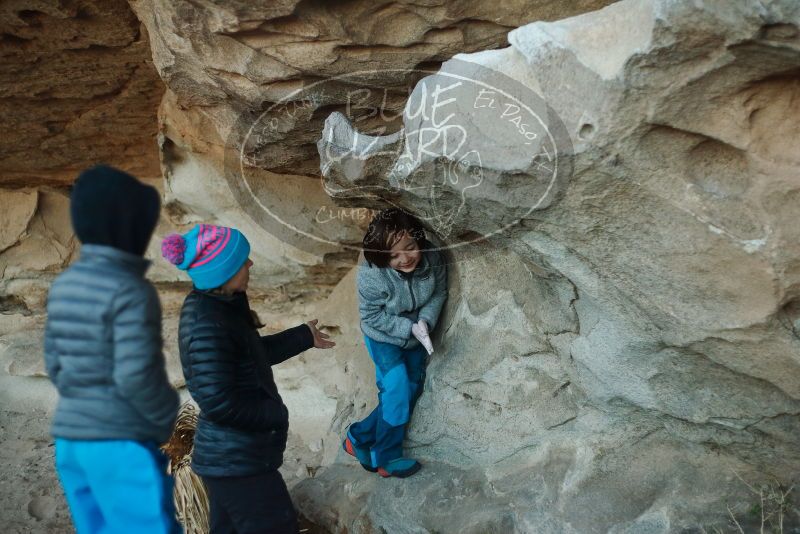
(103, 352)
(402, 286)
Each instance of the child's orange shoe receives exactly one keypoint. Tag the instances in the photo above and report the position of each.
(400, 468)
(357, 453)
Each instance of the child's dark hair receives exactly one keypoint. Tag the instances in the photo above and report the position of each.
(385, 231)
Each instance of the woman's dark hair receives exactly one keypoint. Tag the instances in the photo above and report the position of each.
(386, 230)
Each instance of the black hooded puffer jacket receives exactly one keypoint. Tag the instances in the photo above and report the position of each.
(243, 422)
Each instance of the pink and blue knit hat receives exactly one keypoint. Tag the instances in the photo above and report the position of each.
(210, 254)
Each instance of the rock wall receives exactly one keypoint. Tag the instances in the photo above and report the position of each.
(624, 357)
(77, 87)
(225, 64)
(619, 349)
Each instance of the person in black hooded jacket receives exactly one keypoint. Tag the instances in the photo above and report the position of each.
(242, 428)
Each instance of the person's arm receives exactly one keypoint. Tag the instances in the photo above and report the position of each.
(291, 342)
(430, 311)
(371, 306)
(212, 353)
(139, 372)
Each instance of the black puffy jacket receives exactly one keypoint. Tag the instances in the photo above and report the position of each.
(243, 422)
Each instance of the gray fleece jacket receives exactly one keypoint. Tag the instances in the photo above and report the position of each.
(390, 301)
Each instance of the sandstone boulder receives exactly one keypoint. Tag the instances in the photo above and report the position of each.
(624, 349)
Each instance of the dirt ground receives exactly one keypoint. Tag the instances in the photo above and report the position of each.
(31, 500)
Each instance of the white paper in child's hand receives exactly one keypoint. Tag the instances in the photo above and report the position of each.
(420, 331)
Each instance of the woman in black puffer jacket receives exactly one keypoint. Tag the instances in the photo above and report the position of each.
(243, 424)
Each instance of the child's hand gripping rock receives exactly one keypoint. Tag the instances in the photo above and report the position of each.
(420, 331)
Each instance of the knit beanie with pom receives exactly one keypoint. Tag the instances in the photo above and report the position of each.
(210, 254)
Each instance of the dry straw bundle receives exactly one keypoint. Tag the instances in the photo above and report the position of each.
(191, 500)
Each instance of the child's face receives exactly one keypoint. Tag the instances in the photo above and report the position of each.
(405, 254)
(238, 283)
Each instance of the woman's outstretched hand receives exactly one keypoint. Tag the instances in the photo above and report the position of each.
(321, 339)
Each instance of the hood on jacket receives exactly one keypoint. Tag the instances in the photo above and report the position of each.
(112, 208)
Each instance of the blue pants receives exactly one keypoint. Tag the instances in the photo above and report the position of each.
(116, 486)
(400, 375)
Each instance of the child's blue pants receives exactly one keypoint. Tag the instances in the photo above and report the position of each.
(400, 375)
(116, 486)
